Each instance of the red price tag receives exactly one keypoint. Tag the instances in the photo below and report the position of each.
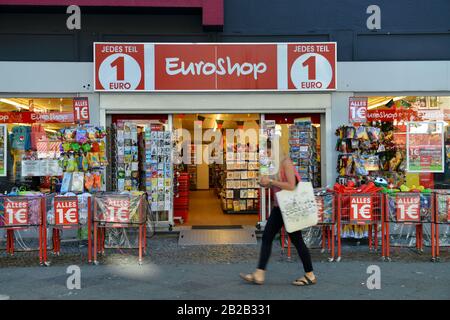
(320, 206)
(357, 112)
(16, 212)
(117, 210)
(66, 211)
(360, 209)
(408, 208)
(81, 110)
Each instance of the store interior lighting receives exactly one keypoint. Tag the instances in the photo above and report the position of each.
(15, 104)
(383, 103)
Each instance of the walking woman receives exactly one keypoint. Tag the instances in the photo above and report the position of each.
(284, 180)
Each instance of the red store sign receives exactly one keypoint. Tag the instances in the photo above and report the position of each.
(36, 117)
(190, 67)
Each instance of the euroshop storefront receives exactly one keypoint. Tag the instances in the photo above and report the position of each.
(210, 89)
(330, 109)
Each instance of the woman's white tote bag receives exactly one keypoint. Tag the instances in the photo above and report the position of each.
(298, 207)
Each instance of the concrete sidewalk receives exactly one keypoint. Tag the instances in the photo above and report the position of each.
(345, 280)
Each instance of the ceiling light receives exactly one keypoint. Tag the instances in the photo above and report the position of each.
(15, 104)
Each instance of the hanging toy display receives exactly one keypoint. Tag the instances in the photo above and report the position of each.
(83, 159)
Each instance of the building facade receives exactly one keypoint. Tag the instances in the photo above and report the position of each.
(399, 48)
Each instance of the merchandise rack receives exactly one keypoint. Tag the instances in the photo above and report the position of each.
(240, 193)
(303, 151)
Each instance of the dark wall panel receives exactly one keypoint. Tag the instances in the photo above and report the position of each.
(38, 47)
(154, 38)
(274, 38)
(411, 29)
(403, 47)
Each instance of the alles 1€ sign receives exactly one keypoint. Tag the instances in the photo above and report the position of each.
(191, 67)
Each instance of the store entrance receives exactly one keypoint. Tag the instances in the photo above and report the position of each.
(202, 170)
(223, 174)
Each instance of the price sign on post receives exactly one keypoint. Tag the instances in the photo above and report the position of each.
(117, 210)
(360, 209)
(408, 208)
(66, 211)
(81, 110)
(357, 109)
(16, 212)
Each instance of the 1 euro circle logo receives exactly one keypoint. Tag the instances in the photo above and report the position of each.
(121, 67)
(312, 66)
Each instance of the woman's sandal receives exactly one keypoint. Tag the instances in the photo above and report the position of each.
(304, 281)
(250, 278)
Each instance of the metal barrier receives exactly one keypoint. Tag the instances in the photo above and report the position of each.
(112, 210)
(324, 232)
(360, 209)
(19, 213)
(406, 208)
(67, 212)
(441, 217)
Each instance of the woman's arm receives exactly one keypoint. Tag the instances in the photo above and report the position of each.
(289, 171)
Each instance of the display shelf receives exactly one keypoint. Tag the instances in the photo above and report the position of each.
(303, 151)
(192, 168)
(240, 188)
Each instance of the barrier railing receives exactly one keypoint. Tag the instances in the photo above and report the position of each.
(407, 208)
(112, 210)
(323, 235)
(67, 212)
(359, 209)
(441, 218)
(19, 213)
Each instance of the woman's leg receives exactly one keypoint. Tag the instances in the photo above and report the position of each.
(302, 249)
(273, 226)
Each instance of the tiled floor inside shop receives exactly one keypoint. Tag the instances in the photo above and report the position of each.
(205, 209)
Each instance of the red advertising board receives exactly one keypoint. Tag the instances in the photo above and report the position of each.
(36, 117)
(216, 67)
(357, 109)
(408, 208)
(16, 212)
(66, 211)
(117, 210)
(81, 110)
(360, 209)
